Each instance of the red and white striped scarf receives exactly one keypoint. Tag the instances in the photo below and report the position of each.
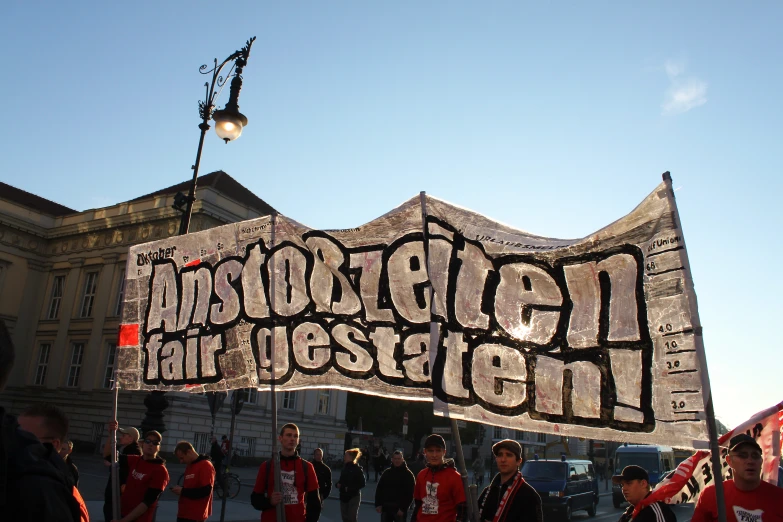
(508, 496)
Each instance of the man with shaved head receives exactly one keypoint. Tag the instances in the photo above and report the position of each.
(35, 480)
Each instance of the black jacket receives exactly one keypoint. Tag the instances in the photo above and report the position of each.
(324, 475)
(35, 483)
(524, 507)
(351, 481)
(655, 512)
(395, 489)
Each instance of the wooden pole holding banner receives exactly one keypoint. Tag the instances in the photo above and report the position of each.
(717, 467)
(470, 493)
(276, 478)
(115, 467)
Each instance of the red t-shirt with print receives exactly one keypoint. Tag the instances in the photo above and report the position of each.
(763, 504)
(440, 492)
(292, 487)
(198, 474)
(142, 475)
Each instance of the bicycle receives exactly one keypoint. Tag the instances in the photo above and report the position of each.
(227, 479)
(228, 485)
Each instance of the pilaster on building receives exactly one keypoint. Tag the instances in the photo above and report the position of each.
(61, 285)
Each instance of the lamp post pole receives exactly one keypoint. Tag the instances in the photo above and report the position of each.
(229, 123)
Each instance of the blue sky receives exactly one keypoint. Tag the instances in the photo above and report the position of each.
(556, 118)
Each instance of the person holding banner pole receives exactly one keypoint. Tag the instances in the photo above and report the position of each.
(747, 497)
(298, 494)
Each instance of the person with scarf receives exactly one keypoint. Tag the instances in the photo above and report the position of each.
(508, 498)
(439, 495)
(636, 487)
(351, 482)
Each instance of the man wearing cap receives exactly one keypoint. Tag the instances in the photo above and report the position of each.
(636, 487)
(747, 497)
(147, 477)
(129, 442)
(508, 497)
(439, 495)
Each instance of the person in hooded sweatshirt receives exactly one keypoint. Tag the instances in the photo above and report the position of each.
(195, 493)
(394, 493)
(351, 482)
(35, 483)
(439, 495)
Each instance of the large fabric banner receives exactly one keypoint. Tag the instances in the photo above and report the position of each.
(695, 473)
(590, 337)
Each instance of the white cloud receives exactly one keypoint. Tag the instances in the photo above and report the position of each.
(684, 93)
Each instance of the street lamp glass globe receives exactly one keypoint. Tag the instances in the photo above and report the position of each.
(228, 128)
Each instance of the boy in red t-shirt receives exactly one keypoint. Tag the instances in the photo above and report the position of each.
(147, 478)
(747, 497)
(299, 487)
(195, 493)
(439, 495)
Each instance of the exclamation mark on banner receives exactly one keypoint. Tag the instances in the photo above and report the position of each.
(626, 366)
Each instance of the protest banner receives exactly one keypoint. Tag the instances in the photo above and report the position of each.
(695, 473)
(590, 337)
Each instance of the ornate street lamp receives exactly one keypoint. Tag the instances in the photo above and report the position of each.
(229, 123)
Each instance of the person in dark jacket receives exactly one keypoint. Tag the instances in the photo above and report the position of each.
(35, 483)
(636, 486)
(394, 493)
(522, 503)
(65, 453)
(324, 474)
(351, 482)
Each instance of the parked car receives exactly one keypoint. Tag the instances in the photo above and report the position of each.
(564, 485)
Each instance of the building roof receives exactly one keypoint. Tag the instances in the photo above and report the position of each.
(222, 183)
(37, 203)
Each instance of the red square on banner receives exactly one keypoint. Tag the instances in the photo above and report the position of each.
(129, 335)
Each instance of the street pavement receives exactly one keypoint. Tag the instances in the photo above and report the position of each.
(94, 473)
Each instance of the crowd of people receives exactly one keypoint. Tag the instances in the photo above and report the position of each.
(39, 481)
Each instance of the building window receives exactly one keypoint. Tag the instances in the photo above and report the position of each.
(252, 396)
(58, 285)
(289, 400)
(111, 356)
(247, 447)
(75, 370)
(120, 294)
(497, 433)
(43, 363)
(201, 442)
(88, 296)
(541, 437)
(324, 398)
(519, 435)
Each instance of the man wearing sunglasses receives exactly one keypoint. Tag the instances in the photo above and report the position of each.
(747, 497)
(147, 478)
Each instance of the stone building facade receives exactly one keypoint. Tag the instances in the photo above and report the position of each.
(61, 284)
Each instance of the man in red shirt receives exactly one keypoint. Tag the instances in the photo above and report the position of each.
(298, 487)
(747, 497)
(439, 494)
(147, 478)
(195, 493)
